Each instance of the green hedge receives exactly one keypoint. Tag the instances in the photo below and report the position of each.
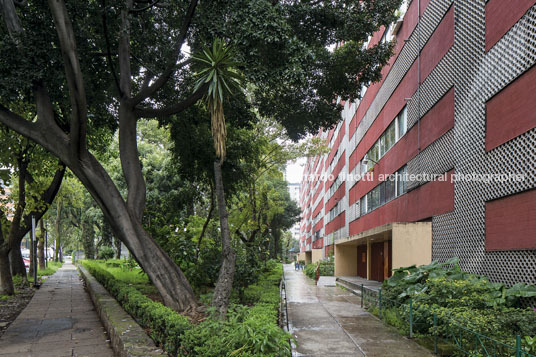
(325, 270)
(462, 302)
(247, 331)
(166, 326)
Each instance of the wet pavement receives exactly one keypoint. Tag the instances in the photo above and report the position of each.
(329, 321)
(60, 320)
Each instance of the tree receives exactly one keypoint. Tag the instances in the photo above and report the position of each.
(218, 75)
(31, 194)
(283, 46)
(6, 281)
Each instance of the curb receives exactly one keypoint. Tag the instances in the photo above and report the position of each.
(127, 338)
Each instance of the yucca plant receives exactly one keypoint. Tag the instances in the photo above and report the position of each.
(218, 71)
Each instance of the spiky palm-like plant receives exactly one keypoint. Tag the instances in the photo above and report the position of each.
(218, 71)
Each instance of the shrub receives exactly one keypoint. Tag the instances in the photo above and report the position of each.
(462, 302)
(248, 331)
(166, 326)
(310, 270)
(106, 252)
(327, 269)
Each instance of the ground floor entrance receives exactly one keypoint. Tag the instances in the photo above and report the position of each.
(374, 253)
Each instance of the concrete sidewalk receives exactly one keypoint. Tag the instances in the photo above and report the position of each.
(328, 321)
(60, 320)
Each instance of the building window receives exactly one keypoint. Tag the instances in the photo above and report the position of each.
(363, 205)
(387, 140)
(401, 181)
(317, 235)
(402, 122)
(394, 186)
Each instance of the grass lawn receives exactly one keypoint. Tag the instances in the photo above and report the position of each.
(48, 271)
(132, 275)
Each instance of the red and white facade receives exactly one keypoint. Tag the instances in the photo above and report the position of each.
(453, 122)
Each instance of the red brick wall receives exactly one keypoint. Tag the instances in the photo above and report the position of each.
(511, 222)
(439, 43)
(511, 112)
(501, 15)
(434, 124)
(431, 199)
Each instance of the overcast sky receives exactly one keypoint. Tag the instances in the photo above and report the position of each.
(295, 170)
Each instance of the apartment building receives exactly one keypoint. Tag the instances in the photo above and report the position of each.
(439, 158)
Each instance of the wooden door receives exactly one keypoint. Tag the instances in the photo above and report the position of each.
(362, 261)
(376, 262)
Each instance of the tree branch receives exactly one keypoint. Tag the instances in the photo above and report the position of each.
(11, 19)
(108, 47)
(124, 53)
(171, 67)
(47, 197)
(173, 109)
(134, 10)
(33, 131)
(73, 73)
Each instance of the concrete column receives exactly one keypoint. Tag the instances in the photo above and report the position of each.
(369, 258)
(345, 260)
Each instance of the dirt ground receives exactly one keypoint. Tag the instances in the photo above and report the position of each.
(11, 307)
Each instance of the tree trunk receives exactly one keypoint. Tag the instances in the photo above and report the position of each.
(166, 276)
(117, 244)
(6, 281)
(88, 239)
(205, 225)
(224, 286)
(41, 246)
(17, 263)
(57, 226)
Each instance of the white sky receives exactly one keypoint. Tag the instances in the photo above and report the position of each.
(295, 170)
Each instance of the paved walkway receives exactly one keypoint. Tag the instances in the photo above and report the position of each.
(328, 321)
(60, 320)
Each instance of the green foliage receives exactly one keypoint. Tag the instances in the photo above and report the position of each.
(165, 325)
(247, 331)
(324, 269)
(50, 269)
(445, 284)
(310, 270)
(463, 303)
(106, 252)
(327, 269)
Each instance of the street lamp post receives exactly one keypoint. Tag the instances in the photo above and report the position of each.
(34, 248)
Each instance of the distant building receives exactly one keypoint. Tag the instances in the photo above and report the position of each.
(294, 190)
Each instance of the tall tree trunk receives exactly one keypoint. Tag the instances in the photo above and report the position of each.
(17, 263)
(88, 238)
(19, 231)
(6, 281)
(41, 246)
(117, 244)
(224, 286)
(205, 225)
(57, 226)
(166, 276)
